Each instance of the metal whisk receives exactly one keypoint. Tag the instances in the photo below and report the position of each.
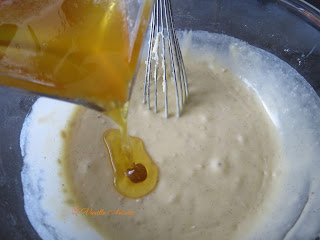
(163, 35)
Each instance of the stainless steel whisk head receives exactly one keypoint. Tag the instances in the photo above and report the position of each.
(163, 35)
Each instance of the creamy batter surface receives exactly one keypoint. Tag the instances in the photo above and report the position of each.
(219, 163)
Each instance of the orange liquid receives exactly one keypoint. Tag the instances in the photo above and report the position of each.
(72, 49)
(138, 155)
(77, 50)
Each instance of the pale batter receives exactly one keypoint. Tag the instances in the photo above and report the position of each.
(196, 197)
(218, 163)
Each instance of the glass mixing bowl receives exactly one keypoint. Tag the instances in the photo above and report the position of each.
(288, 29)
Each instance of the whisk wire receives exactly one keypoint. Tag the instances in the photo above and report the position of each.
(182, 72)
(173, 69)
(156, 58)
(164, 66)
(146, 92)
(162, 33)
(176, 46)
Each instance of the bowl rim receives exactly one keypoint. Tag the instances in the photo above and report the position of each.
(304, 9)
